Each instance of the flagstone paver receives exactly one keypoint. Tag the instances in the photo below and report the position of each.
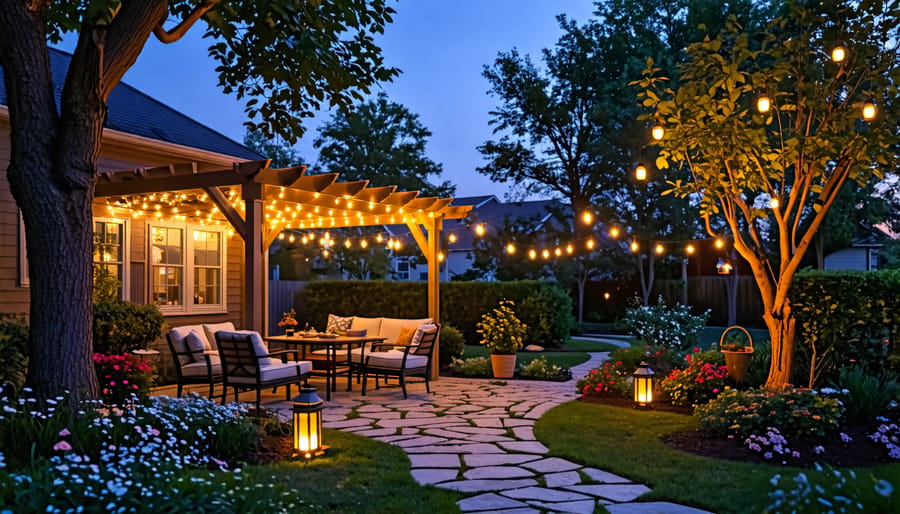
(487, 428)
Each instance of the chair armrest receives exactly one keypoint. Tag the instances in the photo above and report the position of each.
(281, 354)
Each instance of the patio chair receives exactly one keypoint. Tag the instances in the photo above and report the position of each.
(402, 361)
(248, 365)
(193, 366)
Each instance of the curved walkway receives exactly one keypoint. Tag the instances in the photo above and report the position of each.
(476, 436)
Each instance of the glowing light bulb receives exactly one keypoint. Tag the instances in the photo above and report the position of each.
(281, 236)
(532, 254)
(614, 232)
(657, 132)
(347, 244)
(291, 239)
(720, 243)
(570, 249)
(364, 244)
(557, 252)
(690, 249)
(479, 229)
(440, 256)
(634, 246)
(606, 296)
(510, 248)
(773, 202)
(452, 237)
(869, 110)
(587, 217)
(379, 239)
(545, 253)
(591, 244)
(838, 54)
(640, 172)
(763, 103)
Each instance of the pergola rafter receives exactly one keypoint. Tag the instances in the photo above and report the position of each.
(272, 200)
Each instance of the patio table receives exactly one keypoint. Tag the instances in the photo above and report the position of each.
(335, 363)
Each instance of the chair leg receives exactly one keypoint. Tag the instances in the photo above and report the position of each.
(365, 381)
(224, 393)
(180, 389)
(427, 389)
(287, 392)
(403, 385)
(258, 399)
(211, 390)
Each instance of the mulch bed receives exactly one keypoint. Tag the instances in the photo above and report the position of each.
(860, 452)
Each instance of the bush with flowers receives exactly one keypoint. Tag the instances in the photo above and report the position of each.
(609, 380)
(145, 458)
(501, 330)
(121, 376)
(826, 489)
(797, 412)
(705, 377)
(659, 325)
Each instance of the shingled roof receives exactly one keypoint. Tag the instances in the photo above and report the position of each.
(134, 112)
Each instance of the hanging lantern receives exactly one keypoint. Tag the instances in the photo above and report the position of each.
(869, 110)
(643, 385)
(308, 423)
(723, 267)
(657, 132)
(640, 172)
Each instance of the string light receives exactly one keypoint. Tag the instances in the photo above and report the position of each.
(479, 229)
(614, 232)
(606, 296)
(634, 246)
(570, 249)
(588, 217)
(659, 249)
(440, 256)
(291, 239)
(545, 254)
(773, 202)
(869, 110)
(557, 252)
(658, 132)
(510, 248)
(640, 172)
(720, 243)
(532, 254)
(763, 103)
(838, 53)
(452, 238)
(364, 244)
(689, 249)
(591, 244)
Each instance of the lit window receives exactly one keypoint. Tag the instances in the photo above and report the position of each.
(187, 268)
(207, 248)
(167, 252)
(109, 249)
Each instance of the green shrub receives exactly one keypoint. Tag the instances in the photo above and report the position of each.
(462, 303)
(796, 412)
(659, 325)
(661, 360)
(474, 367)
(629, 357)
(452, 345)
(760, 361)
(548, 312)
(826, 489)
(120, 327)
(842, 318)
(540, 369)
(609, 380)
(13, 349)
(705, 377)
(866, 396)
(501, 331)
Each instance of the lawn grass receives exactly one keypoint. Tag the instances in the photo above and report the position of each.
(585, 345)
(356, 475)
(627, 442)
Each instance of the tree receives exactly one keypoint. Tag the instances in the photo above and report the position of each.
(382, 142)
(286, 58)
(774, 175)
(282, 155)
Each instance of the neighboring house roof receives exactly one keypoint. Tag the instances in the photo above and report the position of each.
(134, 112)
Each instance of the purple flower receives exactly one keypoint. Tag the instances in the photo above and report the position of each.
(62, 446)
(64, 432)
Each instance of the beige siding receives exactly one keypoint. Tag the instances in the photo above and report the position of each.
(13, 298)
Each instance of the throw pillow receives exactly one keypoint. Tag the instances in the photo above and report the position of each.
(421, 331)
(338, 324)
(405, 337)
(259, 347)
(359, 332)
(197, 345)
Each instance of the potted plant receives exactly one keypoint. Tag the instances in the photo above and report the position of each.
(737, 354)
(502, 334)
(289, 322)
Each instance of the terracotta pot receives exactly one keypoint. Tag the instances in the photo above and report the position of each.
(738, 363)
(503, 365)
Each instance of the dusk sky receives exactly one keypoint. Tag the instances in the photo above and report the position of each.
(441, 48)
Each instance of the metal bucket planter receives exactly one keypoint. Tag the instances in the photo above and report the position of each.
(503, 366)
(737, 360)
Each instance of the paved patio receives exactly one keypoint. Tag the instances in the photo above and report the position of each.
(476, 436)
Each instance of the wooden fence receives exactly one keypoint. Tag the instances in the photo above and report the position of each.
(283, 296)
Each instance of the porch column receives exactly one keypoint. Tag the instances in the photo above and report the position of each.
(254, 260)
(434, 284)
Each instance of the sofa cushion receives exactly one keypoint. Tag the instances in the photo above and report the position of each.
(394, 359)
(197, 344)
(198, 369)
(259, 347)
(178, 334)
(420, 331)
(211, 328)
(390, 327)
(276, 372)
(337, 324)
(371, 325)
(360, 332)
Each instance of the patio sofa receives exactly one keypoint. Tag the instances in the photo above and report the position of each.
(388, 328)
(195, 358)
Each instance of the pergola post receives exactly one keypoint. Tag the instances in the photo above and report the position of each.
(254, 260)
(434, 285)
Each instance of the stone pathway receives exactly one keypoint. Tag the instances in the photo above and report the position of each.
(477, 437)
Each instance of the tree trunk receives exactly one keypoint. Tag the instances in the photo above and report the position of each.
(582, 279)
(684, 281)
(782, 332)
(646, 278)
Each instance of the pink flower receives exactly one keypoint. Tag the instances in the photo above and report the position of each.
(64, 432)
(62, 446)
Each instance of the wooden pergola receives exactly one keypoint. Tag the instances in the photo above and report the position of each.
(277, 199)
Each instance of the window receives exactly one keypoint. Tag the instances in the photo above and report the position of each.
(187, 269)
(402, 270)
(109, 249)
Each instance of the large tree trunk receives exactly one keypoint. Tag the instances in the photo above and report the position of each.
(52, 173)
(782, 332)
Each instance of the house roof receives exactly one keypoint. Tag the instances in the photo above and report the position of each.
(134, 112)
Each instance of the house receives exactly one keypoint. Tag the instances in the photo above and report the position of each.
(863, 254)
(460, 235)
(184, 216)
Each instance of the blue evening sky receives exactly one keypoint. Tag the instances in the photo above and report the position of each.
(441, 47)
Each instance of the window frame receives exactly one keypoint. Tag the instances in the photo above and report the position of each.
(188, 307)
(126, 250)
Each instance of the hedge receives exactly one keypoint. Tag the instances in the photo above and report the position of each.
(544, 307)
(850, 317)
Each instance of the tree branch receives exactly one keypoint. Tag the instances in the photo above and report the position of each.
(181, 29)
